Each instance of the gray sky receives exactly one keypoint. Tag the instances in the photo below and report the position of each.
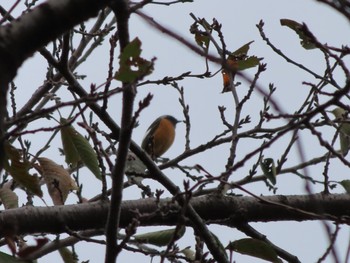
(307, 240)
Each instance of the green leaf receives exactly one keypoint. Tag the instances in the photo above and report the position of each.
(255, 248)
(67, 255)
(189, 253)
(344, 141)
(219, 244)
(243, 50)
(249, 62)
(8, 198)
(19, 170)
(71, 154)
(300, 29)
(269, 169)
(160, 238)
(344, 129)
(339, 113)
(10, 259)
(83, 148)
(202, 37)
(202, 40)
(87, 154)
(346, 185)
(131, 66)
(132, 50)
(239, 60)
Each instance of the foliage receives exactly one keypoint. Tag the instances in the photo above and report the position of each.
(260, 136)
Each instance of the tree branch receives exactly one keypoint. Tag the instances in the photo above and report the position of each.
(19, 40)
(224, 210)
(121, 11)
(49, 20)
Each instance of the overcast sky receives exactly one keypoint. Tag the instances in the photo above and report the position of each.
(307, 240)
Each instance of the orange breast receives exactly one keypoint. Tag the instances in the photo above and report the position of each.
(163, 137)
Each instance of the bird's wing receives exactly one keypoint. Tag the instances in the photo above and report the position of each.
(151, 130)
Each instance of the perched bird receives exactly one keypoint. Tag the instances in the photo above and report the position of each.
(344, 129)
(159, 136)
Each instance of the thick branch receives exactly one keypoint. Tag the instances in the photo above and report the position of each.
(19, 39)
(228, 210)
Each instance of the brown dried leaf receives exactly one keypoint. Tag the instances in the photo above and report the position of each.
(57, 179)
(11, 243)
(8, 198)
(27, 250)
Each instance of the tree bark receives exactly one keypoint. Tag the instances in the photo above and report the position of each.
(223, 210)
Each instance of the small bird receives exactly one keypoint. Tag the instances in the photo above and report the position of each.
(159, 136)
(344, 129)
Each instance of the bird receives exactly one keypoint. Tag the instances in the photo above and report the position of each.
(159, 136)
(344, 129)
